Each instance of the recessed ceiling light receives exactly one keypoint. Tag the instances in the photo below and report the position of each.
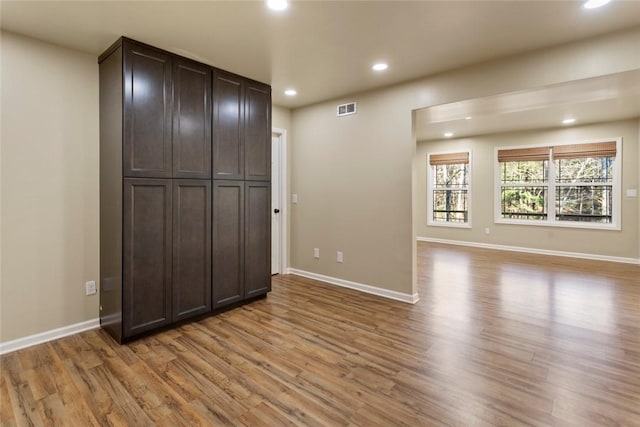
(380, 66)
(290, 92)
(468, 118)
(448, 134)
(277, 4)
(592, 4)
(568, 121)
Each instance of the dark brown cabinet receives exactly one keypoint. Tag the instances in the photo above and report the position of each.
(242, 232)
(191, 120)
(257, 132)
(167, 252)
(228, 233)
(257, 246)
(228, 114)
(242, 135)
(147, 112)
(147, 251)
(174, 244)
(191, 248)
(167, 115)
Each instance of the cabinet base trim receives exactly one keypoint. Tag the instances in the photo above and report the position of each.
(53, 334)
(373, 290)
(579, 255)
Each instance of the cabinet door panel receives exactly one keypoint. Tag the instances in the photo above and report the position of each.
(147, 112)
(191, 120)
(228, 242)
(147, 254)
(257, 136)
(257, 250)
(191, 248)
(228, 115)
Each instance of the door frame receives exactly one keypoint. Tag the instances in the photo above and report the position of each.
(281, 134)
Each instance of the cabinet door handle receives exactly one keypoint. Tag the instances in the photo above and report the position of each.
(276, 211)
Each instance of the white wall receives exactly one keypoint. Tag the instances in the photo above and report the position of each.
(281, 117)
(353, 192)
(49, 186)
(610, 243)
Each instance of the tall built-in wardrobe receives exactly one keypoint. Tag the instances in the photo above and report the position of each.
(185, 197)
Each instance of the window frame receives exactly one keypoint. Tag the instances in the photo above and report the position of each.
(551, 221)
(430, 188)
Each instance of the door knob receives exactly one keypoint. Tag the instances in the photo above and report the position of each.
(276, 211)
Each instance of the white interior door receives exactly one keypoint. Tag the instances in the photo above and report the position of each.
(276, 217)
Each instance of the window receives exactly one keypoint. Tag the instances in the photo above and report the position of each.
(525, 183)
(584, 182)
(449, 189)
(574, 185)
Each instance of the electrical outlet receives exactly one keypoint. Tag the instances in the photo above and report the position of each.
(294, 199)
(487, 231)
(316, 252)
(339, 257)
(90, 287)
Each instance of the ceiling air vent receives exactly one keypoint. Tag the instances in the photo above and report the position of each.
(346, 109)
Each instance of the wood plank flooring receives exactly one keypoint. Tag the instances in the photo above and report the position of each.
(497, 338)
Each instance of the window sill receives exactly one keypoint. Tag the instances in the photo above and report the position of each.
(448, 224)
(583, 226)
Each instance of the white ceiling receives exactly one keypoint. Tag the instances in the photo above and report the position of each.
(324, 49)
(598, 99)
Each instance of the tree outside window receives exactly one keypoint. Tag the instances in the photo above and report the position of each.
(584, 189)
(449, 188)
(574, 182)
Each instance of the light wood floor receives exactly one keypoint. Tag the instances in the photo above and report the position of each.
(496, 339)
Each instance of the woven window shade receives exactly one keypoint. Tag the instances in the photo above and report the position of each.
(448, 158)
(598, 149)
(524, 154)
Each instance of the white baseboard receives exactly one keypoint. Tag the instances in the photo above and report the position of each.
(532, 250)
(398, 296)
(53, 334)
